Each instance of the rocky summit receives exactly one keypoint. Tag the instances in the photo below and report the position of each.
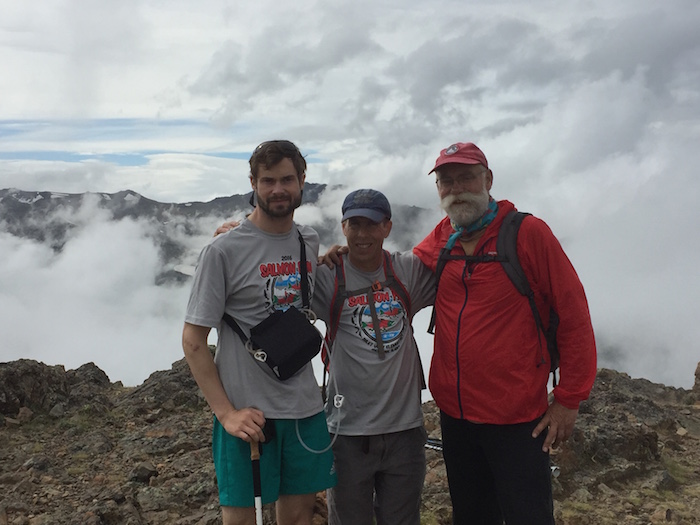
(78, 449)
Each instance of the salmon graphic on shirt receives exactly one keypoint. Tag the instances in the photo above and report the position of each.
(283, 284)
(390, 314)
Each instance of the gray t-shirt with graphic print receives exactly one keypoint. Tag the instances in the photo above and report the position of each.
(249, 273)
(381, 395)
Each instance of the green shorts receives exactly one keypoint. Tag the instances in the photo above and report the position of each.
(286, 467)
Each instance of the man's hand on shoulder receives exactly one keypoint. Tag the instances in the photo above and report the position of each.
(332, 256)
(229, 225)
(245, 423)
(560, 421)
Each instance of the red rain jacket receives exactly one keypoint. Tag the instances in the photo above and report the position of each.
(489, 365)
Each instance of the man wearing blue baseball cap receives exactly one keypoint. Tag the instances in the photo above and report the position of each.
(374, 393)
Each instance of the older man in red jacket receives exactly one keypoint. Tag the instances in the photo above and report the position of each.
(490, 367)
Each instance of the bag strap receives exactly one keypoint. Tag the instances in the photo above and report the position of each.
(236, 328)
(336, 306)
(507, 244)
(397, 286)
(341, 293)
(304, 291)
(303, 271)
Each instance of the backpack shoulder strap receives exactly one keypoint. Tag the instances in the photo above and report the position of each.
(398, 287)
(305, 299)
(439, 267)
(507, 246)
(336, 307)
(395, 284)
(235, 327)
(445, 256)
(335, 310)
(341, 293)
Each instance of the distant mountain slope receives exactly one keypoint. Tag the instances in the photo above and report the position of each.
(23, 213)
(178, 229)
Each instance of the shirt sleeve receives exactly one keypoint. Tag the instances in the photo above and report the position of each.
(429, 248)
(323, 292)
(209, 289)
(419, 280)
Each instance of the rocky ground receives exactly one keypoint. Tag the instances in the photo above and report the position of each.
(78, 449)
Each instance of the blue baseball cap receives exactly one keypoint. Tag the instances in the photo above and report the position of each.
(371, 204)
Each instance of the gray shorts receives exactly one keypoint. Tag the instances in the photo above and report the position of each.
(380, 476)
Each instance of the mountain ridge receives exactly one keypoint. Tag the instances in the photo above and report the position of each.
(77, 448)
(179, 230)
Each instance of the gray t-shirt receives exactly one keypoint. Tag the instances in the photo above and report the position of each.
(249, 273)
(381, 395)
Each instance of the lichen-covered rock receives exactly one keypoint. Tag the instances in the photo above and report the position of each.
(27, 383)
(95, 459)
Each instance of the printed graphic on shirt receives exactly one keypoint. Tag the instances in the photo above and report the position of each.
(391, 316)
(283, 284)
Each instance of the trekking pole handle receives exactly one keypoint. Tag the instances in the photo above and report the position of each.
(254, 450)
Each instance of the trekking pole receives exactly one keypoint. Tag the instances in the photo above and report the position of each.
(257, 487)
(433, 444)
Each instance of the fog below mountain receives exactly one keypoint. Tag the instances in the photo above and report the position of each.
(97, 299)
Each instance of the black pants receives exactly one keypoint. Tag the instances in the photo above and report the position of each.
(497, 473)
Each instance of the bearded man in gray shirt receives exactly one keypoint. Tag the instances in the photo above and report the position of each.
(249, 273)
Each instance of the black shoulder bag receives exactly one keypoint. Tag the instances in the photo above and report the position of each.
(286, 340)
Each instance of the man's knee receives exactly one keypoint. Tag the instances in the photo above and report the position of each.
(295, 509)
(238, 515)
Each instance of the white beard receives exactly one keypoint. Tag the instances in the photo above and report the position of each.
(469, 209)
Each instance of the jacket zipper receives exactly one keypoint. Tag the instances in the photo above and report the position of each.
(459, 328)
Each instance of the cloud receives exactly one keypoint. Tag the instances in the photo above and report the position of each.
(96, 300)
(258, 80)
(588, 115)
(192, 177)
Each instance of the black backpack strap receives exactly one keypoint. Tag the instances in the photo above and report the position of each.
(507, 244)
(341, 293)
(446, 256)
(399, 289)
(336, 307)
(303, 271)
(236, 328)
(396, 285)
(439, 267)
(507, 255)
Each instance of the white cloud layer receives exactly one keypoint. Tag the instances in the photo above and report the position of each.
(95, 301)
(589, 114)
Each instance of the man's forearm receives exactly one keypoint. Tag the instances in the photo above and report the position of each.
(204, 371)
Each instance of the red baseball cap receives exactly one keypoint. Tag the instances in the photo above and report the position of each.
(461, 153)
